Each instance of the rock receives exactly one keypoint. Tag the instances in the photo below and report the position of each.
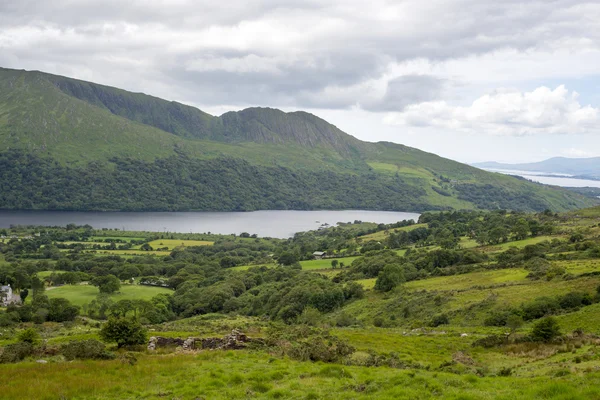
(189, 344)
(462, 358)
(463, 335)
(41, 361)
(233, 341)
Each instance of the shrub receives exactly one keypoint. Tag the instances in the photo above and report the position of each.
(307, 344)
(345, 319)
(16, 352)
(29, 335)
(545, 330)
(490, 341)
(438, 320)
(85, 349)
(390, 277)
(123, 331)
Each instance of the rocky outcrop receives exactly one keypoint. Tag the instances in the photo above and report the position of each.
(234, 341)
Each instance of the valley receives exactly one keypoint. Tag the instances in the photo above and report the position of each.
(451, 306)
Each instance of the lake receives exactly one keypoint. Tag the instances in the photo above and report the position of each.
(277, 224)
(556, 179)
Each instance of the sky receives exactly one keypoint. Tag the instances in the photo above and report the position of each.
(471, 80)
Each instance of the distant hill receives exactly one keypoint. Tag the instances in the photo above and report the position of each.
(584, 167)
(74, 145)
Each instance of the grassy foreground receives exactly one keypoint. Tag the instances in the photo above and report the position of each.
(245, 374)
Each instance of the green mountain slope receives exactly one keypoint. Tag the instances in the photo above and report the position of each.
(70, 144)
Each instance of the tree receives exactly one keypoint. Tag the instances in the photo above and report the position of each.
(107, 284)
(546, 329)
(390, 277)
(61, 310)
(334, 263)
(520, 229)
(124, 332)
(514, 322)
(288, 258)
(29, 335)
(23, 294)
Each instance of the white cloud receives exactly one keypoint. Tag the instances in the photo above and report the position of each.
(507, 112)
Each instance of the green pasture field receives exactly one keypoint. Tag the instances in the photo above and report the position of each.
(247, 374)
(307, 265)
(325, 263)
(382, 235)
(83, 294)
(43, 274)
(465, 281)
(131, 252)
(519, 243)
(124, 238)
(175, 243)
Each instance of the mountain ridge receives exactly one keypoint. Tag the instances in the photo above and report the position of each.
(589, 166)
(84, 127)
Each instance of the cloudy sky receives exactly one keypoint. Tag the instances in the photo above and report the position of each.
(472, 80)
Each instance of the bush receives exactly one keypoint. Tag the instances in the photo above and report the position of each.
(308, 344)
(490, 341)
(438, 320)
(29, 335)
(85, 349)
(16, 352)
(545, 330)
(345, 319)
(123, 331)
(390, 277)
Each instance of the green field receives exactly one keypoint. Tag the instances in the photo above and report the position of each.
(382, 235)
(325, 263)
(175, 243)
(83, 294)
(43, 274)
(243, 374)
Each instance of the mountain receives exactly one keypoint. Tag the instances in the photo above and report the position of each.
(74, 145)
(581, 167)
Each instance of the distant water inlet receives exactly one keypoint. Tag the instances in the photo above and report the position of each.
(278, 224)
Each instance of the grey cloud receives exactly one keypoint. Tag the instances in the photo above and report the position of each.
(406, 90)
(318, 45)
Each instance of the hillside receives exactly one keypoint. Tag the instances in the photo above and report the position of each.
(461, 305)
(75, 145)
(584, 167)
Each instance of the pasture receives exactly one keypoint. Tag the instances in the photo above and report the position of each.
(83, 294)
(172, 244)
(240, 374)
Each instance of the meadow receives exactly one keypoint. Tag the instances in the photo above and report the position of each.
(83, 294)
(255, 374)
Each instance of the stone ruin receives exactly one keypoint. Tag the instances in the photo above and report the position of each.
(234, 341)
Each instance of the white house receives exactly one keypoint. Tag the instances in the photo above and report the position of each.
(8, 297)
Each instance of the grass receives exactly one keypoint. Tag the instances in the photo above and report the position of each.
(242, 374)
(83, 294)
(325, 263)
(172, 244)
(462, 282)
(131, 252)
(307, 265)
(382, 235)
(518, 243)
(43, 274)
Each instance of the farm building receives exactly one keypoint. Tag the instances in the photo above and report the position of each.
(7, 296)
(319, 255)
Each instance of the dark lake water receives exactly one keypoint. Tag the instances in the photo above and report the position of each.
(278, 224)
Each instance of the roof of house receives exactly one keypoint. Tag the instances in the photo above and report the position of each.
(319, 253)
